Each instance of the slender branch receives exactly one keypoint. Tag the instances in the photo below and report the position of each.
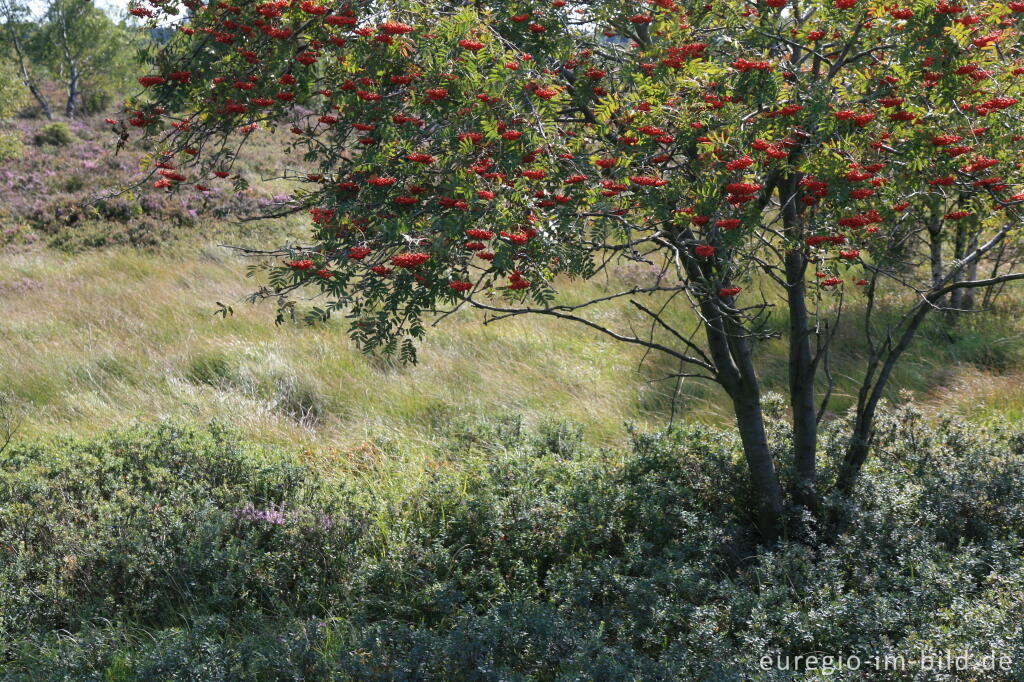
(689, 344)
(554, 312)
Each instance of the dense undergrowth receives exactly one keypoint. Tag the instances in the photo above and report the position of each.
(181, 553)
(443, 547)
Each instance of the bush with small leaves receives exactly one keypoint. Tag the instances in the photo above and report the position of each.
(10, 147)
(176, 553)
(54, 134)
(13, 94)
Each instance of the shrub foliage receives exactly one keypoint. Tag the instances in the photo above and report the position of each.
(176, 553)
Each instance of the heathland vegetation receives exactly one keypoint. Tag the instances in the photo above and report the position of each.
(189, 491)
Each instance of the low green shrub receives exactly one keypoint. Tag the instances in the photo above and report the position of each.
(13, 93)
(55, 134)
(11, 147)
(181, 554)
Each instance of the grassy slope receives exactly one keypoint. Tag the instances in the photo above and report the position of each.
(94, 338)
(91, 340)
(99, 338)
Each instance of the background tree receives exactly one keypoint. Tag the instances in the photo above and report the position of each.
(18, 29)
(85, 50)
(777, 156)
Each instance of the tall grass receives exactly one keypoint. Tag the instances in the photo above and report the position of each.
(95, 339)
(92, 340)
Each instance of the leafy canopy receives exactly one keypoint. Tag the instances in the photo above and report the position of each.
(454, 153)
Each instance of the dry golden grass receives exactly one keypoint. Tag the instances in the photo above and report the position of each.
(99, 339)
(977, 393)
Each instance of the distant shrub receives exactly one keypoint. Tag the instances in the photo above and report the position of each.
(73, 234)
(55, 134)
(10, 147)
(215, 369)
(118, 209)
(63, 194)
(560, 437)
(463, 434)
(96, 101)
(72, 183)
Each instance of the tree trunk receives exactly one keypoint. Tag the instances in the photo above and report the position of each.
(745, 391)
(44, 104)
(765, 482)
(69, 109)
(732, 356)
(967, 297)
(871, 392)
(858, 448)
(935, 248)
(801, 385)
(26, 76)
(884, 360)
(956, 298)
(801, 364)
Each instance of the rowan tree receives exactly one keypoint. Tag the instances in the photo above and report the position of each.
(778, 153)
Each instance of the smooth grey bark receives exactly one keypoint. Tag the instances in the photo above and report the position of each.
(935, 248)
(72, 62)
(870, 395)
(733, 358)
(960, 249)
(968, 301)
(763, 478)
(882, 362)
(69, 108)
(964, 298)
